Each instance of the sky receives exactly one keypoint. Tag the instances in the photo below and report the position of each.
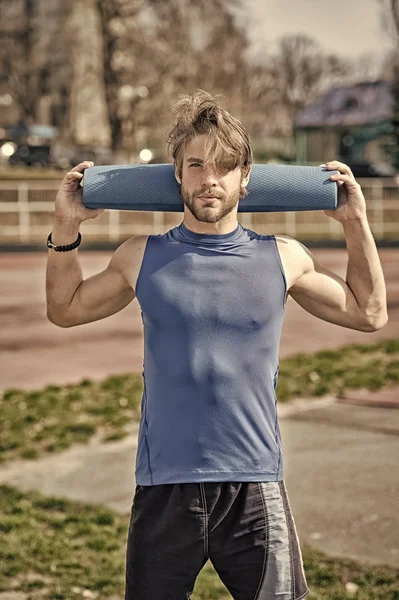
(348, 28)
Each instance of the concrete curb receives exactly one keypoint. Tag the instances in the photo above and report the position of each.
(299, 405)
(384, 398)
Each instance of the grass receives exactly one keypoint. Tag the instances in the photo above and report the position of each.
(56, 549)
(334, 371)
(53, 419)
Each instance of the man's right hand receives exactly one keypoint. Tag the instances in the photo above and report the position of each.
(69, 205)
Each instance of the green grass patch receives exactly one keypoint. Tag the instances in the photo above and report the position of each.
(334, 371)
(56, 549)
(53, 419)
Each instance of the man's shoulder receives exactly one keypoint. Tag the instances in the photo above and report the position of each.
(132, 250)
(135, 242)
(130, 253)
(291, 245)
(296, 258)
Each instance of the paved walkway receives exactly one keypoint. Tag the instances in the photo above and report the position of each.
(341, 471)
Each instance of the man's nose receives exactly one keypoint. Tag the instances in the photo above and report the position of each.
(209, 178)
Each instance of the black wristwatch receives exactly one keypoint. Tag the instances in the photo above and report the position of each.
(63, 248)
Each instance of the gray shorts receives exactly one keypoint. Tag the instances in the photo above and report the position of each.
(246, 530)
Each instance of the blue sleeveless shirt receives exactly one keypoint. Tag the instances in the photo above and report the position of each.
(212, 308)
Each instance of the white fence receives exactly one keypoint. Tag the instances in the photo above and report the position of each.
(27, 211)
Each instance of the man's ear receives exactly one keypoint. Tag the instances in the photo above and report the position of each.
(177, 177)
(246, 178)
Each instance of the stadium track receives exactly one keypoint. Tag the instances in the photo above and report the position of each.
(34, 352)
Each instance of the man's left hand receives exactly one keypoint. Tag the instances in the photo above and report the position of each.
(351, 202)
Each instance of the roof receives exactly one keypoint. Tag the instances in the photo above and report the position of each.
(359, 104)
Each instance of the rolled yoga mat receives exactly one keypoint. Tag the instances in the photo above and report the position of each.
(271, 188)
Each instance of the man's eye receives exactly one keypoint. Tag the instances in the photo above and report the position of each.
(195, 165)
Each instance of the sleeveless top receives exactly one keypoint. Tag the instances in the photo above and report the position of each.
(212, 307)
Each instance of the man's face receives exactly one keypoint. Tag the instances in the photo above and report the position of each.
(208, 195)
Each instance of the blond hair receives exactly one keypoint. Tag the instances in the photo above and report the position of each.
(228, 145)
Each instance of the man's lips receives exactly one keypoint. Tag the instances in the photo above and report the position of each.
(208, 198)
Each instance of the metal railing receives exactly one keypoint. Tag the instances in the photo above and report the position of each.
(27, 212)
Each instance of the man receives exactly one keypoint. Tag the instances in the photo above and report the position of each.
(209, 467)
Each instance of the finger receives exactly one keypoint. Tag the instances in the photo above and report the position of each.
(342, 177)
(73, 177)
(83, 165)
(338, 166)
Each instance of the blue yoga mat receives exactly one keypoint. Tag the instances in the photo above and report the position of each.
(271, 188)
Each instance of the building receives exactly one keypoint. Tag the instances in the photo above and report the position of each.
(352, 123)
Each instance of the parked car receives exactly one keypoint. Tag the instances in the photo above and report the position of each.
(31, 156)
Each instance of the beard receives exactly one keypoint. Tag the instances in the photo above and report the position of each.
(214, 211)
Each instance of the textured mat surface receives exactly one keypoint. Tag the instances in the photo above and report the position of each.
(272, 188)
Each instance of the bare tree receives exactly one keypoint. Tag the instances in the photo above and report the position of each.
(89, 123)
(32, 55)
(17, 58)
(155, 50)
(390, 22)
(300, 71)
(121, 37)
(390, 18)
(151, 51)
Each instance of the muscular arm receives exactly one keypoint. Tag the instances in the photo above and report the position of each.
(359, 302)
(364, 273)
(101, 295)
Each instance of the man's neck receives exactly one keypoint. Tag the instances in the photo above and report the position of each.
(226, 225)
